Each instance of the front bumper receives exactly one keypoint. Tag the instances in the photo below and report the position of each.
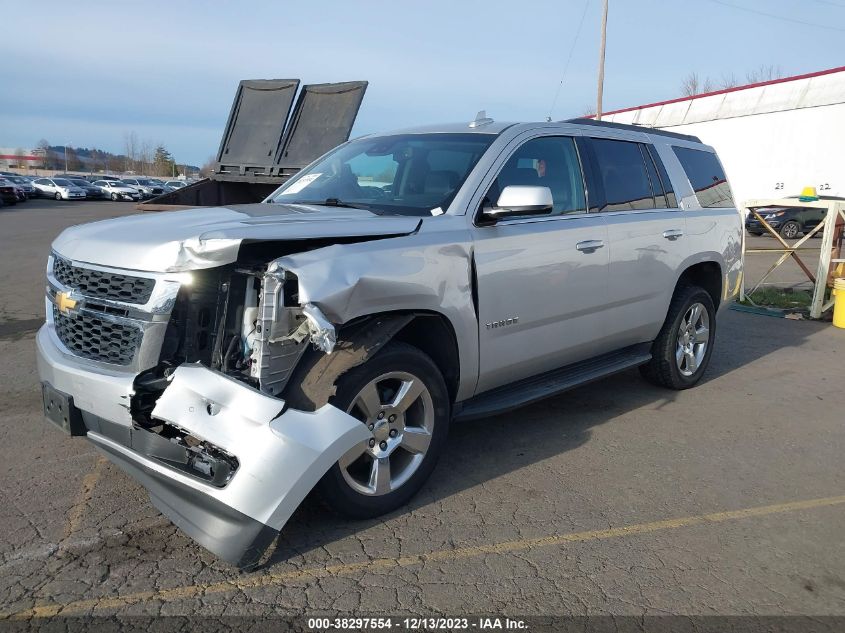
(280, 455)
(756, 226)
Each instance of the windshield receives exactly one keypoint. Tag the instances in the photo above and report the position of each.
(62, 182)
(409, 174)
(81, 183)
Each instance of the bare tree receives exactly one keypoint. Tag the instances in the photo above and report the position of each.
(764, 73)
(690, 85)
(728, 81)
(130, 145)
(48, 156)
(73, 162)
(208, 167)
(21, 160)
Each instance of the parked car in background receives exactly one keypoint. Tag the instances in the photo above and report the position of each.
(145, 187)
(176, 184)
(788, 221)
(92, 192)
(155, 182)
(7, 192)
(58, 188)
(118, 190)
(20, 195)
(23, 183)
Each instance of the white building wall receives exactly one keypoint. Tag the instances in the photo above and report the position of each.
(773, 140)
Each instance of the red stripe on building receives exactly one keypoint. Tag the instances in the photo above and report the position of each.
(782, 80)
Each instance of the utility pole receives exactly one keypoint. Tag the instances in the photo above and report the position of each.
(601, 60)
(65, 157)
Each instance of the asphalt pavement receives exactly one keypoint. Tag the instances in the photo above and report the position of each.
(617, 498)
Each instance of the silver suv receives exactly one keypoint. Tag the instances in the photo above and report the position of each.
(233, 359)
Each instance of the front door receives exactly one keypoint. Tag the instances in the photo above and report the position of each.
(542, 280)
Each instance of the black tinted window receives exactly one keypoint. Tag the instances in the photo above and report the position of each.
(624, 175)
(656, 185)
(550, 161)
(706, 177)
(668, 189)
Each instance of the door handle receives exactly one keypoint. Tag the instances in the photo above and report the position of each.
(589, 246)
(672, 234)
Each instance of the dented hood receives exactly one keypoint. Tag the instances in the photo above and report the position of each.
(206, 237)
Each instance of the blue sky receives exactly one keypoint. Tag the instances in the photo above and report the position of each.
(85, 73)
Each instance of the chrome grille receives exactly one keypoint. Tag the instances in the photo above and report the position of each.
(86, 335)
(103, 285)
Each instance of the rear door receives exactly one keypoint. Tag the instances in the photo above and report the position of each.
(645, 235)
(541, 293)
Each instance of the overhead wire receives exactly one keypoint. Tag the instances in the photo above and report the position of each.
(777, 17)
(568, 59)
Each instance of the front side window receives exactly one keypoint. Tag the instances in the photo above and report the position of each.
(624, 175)
(706, 177)
(550, 161)
(405, 174)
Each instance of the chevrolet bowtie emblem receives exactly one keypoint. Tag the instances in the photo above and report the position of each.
(64, 302)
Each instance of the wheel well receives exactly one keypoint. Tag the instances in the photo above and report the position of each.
(433, 334)
(707, 275)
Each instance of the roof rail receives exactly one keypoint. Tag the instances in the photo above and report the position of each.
(633, 128)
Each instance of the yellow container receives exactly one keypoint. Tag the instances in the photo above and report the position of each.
(839, 302)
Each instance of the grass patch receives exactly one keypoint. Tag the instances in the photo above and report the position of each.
(783, 298)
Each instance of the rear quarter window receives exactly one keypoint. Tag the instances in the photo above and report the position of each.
(706, 176)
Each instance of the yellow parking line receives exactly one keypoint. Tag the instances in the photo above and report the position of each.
(77, 510)
(251, 582)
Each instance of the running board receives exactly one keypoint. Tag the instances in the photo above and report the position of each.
(518, 394)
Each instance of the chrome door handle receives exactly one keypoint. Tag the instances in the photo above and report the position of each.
(589, 246)
(672, 234)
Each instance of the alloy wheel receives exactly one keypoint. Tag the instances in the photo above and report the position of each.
(398, 409)
(790, 230)
(693, 339)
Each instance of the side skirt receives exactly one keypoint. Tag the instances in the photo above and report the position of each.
(523, 392)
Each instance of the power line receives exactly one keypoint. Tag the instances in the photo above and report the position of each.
(569, 58)
(777, 17)
(831, 3)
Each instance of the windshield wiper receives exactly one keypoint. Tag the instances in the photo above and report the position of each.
(337, 202)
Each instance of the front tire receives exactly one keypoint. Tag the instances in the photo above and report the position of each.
(401, 396)
(58, 196)
(114, 197)
(681, 352)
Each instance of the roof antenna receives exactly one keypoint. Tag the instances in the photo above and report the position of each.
(481, 119)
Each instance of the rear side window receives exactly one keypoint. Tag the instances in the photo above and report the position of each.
(671, 200)
(706, 177)
(623, 172)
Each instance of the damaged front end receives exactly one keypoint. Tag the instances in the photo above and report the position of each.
(195, 413)
(226, 463)
(216, 447)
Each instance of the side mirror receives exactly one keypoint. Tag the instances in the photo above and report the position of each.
(516, 200)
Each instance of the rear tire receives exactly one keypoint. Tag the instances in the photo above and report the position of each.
(681, 352)
(352, 486)
(790, 230)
